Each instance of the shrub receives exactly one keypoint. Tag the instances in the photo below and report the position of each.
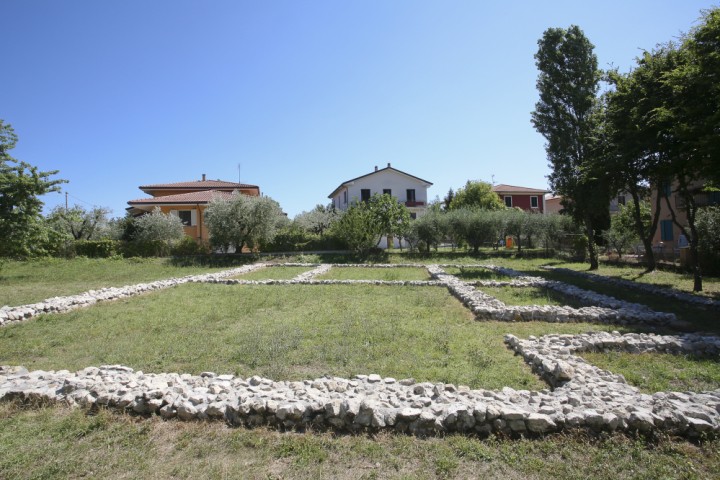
(147, 248)
(189, 246)
(96, 248)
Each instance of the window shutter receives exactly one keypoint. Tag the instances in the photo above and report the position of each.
(193, 217)
(174, 213)
(666, 230)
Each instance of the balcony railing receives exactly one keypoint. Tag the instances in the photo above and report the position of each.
(414, 204)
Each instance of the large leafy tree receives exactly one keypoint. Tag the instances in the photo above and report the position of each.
(22, 231)
(641, 144)
(694, 109)
(242, 221)
(358, 227)
(567, 116)
(391, 216)
(665, 130)
(475, 194)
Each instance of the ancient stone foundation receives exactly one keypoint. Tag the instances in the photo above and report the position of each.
(580, 395)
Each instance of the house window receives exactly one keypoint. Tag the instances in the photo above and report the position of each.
(508, 201)
(413, 215)
(410, 194)
(666, 188)
(666, 230)
(387, 191)
(365, 194)
(621, 199)
(714, 198)
(345, 197)
(185, 217)
(533, 202)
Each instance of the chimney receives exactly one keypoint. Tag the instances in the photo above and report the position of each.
(203, 177)
(388, 164)
(376, 168)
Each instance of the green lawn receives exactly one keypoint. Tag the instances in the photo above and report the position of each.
(305, 331)
(375, 273)
(274, 273)
(677, 281)
(23, 282)
(656, 372)
(698, 318)
(470, 274)
(283, 332)
(530, 296)
(59, 443)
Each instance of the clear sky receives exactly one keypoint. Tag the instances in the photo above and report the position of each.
(302, 94)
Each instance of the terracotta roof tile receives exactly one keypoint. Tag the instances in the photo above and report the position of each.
(183, 198)
(502, 188)
(199, 184)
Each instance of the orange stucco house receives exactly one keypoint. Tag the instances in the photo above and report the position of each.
(188, 201)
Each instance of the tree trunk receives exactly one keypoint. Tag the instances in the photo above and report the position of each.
(650, 263)
(592, 251)
(697, 272)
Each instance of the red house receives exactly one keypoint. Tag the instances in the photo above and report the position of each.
(529, 199)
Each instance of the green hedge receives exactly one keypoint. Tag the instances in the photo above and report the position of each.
(96, 248)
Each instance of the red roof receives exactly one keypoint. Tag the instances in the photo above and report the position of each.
(199, 185)
(183, 198)
(513, 189)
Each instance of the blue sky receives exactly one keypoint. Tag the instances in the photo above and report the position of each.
(302, 94)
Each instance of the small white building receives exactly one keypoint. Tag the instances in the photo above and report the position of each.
(407, 189)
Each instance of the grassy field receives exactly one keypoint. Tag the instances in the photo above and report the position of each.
(299, 332)
(284, 332)
(677, 281)
(23, 282)
(656, 372)
(54, 443)
(530, 296)
(274, 273)
(369, 273)
(698, 318)
(470, 274)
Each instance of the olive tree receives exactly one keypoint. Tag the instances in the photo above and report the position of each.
(158, 227)
(242, 221)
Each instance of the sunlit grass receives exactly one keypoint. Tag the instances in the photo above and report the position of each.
(23, 282)
(282, 332)
(655, 372)
(274, 273)
(59, 443)
(375, 273)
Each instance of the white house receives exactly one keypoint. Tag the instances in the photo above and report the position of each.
(406, 188)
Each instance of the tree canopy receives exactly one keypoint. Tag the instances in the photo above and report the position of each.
(242, 221)
(475, 194)
(22, 231)
(567, 115)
